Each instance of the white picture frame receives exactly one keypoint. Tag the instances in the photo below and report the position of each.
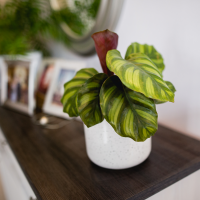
(61, 67)
(3, 79)
(31, 61)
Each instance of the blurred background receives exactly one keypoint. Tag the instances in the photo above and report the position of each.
(62, 29)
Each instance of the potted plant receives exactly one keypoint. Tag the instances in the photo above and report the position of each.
(119, 102)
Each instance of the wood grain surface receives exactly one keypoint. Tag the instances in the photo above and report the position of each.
(57, 167)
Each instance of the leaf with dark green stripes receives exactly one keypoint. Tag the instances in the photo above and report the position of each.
(171, 87)
(150, 51)
(130, 113)
(88, 100)
(140, 74)
(69, 99)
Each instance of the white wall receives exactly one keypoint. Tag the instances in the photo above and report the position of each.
(173, 27)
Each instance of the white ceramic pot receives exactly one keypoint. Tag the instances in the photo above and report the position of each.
(109, 150)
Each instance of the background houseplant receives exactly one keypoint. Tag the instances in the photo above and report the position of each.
(25, 26)
(28, 25)
(127, 99)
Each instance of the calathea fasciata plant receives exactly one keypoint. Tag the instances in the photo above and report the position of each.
(125, 94)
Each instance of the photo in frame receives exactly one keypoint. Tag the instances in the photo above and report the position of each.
(18, 84)
(44, 77)
(64, 71)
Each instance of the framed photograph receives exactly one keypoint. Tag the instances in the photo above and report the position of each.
(45, 74)
(18, 85)
(64, 71)
(44, 77)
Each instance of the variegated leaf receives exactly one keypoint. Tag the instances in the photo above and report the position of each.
(150, 51)
(140, 74)
(88, 100)
(171, 87)
(130, 113)
(69, 99)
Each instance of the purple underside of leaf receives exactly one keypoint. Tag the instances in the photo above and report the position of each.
(105, 41)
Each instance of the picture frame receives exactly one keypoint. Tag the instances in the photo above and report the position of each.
(44, 76)
(18, 84)
(64, 71)
(2, 81)
(43, 72)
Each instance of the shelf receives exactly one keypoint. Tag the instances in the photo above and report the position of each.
(56, 165)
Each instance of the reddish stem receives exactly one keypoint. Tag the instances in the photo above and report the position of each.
(105, 41)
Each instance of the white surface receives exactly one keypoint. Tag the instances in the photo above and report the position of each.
(173, 28)
(15, 185)
(185, 189)
(109, 150)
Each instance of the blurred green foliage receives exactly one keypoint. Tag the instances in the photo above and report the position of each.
(27, 25)
(78, 14)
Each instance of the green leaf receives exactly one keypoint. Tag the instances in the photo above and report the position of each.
(130, 113)
(150, 51)
(140, 74)
(88, 100)
(69, 99)
(171, 87)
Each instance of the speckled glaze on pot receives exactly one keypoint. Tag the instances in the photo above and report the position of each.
(109, 150)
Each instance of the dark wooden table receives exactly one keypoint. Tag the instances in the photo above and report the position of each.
(57, 167)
